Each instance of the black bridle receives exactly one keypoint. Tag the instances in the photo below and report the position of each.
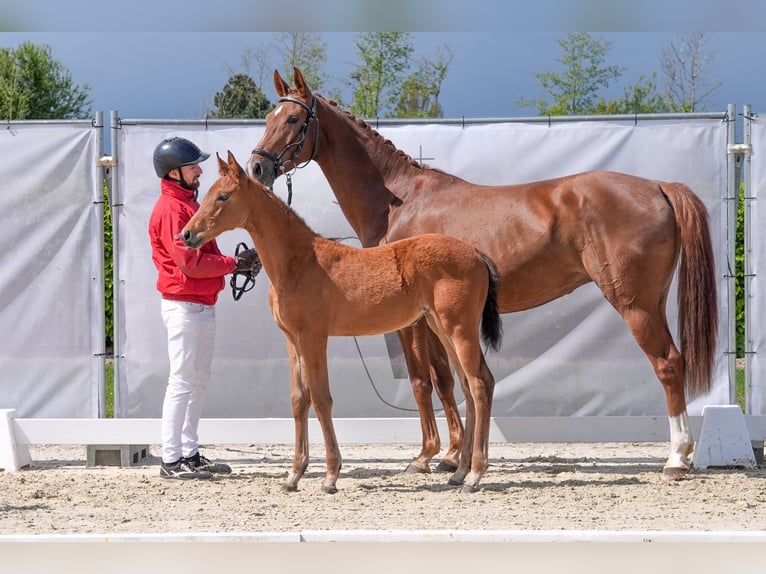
(281, 165)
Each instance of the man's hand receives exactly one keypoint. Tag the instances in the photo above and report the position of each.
(248, 261)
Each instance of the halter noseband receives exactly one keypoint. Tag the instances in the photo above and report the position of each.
(279, 164)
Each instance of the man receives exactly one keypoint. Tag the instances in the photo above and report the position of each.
(189, 281)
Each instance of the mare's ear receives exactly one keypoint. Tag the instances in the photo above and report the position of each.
(300, 83)
(235, 168)
(223, 169)
(280, 85)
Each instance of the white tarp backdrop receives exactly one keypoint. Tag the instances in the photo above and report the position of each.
(573, 356)
(49, 301)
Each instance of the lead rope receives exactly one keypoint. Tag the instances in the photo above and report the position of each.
(289, 179)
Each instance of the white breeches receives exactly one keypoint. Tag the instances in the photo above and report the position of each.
(191, 340)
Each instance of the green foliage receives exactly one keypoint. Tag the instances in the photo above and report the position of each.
(739, 261)
(109, 384)
(307, 52)
(377, 81)
(108, 270)
(419, 97)
(640, 98)
(575, 90)
(35, 86)
(241, 98)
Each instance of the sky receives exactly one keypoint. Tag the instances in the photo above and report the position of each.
(174, 75)
(166, 60)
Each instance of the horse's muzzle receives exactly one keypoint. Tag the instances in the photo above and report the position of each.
(191, 240)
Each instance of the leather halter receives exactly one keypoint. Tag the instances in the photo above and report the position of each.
(279, 163)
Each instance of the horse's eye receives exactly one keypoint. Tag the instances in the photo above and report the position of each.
(223, 197)
(292, 119)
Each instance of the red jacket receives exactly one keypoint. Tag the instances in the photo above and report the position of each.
(195, 275)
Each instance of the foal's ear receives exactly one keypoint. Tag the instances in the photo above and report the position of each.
(235, 168)
(223, 168)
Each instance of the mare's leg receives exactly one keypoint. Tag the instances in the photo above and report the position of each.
(300, 398)
(314, 363)
(415, 341)
(441, 375)
(650, 329)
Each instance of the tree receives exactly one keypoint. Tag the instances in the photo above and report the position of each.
(684, 63)
(643, 97)
(378, 80)
(420, 91)
(307, 52)
(34, 85)
(240, 98)
(575, 91)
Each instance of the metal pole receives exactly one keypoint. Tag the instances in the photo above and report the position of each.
(99, 345)
(748, 273)
(732, 196)
(115, 205)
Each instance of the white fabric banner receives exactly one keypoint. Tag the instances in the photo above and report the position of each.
(48, 306)
(757, 255)
(573, 356)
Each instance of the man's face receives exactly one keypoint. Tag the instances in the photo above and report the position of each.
(190, 175)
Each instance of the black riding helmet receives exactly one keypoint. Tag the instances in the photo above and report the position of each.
(176, 152)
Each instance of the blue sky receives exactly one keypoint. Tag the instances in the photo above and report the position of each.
(174, 75)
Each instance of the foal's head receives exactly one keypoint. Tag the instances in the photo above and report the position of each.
(224, 206)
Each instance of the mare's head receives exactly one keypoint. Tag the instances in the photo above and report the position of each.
(223, 208)
(292, 132)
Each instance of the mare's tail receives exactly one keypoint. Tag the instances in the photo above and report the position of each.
(697, 298)
(491, 324)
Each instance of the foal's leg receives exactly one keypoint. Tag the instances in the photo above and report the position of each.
(459, 333)
(300, 398)
(416, 346)
(478, 384)
(314, 362)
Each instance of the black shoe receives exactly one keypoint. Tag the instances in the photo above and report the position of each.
(202, 464)
(182, 470)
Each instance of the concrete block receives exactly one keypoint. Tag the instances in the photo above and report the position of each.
(116, 455)
(724, 440)
(13, 455)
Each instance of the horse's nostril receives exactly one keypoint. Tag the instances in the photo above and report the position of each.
(257, 169)
(187, 235)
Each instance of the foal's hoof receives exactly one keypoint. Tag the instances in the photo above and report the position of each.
(417, 468)
(468, 489)
(672, 474)
(290, 488)
(446, 466)
(332, 489)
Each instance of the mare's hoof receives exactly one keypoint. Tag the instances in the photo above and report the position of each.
(417, 468)
(468, 489)
(330, 489)
(455, 480)
(672, 474)
(446, 466)
(290, 488)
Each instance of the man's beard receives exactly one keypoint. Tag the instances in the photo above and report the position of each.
(193, 186)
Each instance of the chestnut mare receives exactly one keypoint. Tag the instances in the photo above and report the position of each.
(320, 288)
(627, 234)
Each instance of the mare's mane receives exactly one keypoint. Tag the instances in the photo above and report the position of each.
(375, 135)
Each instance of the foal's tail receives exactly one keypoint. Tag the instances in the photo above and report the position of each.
(491, 324)
(697, 298)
